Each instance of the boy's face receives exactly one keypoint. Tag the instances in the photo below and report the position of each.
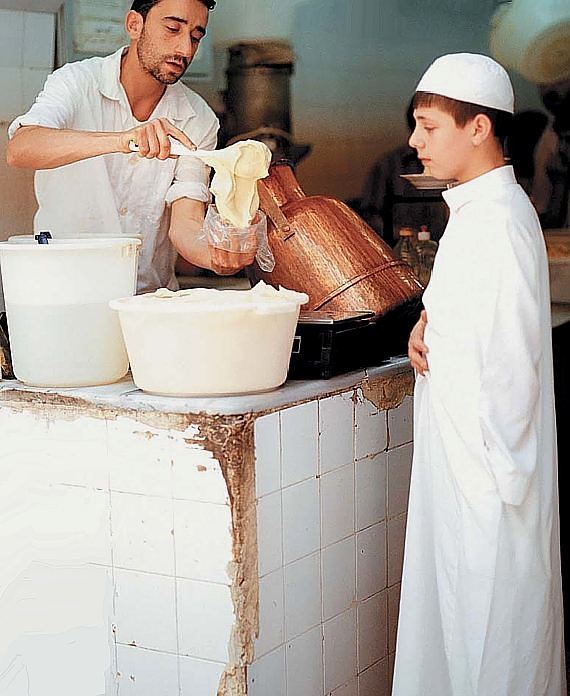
(444, 148)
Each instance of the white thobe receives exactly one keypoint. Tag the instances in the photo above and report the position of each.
(118, 194)
(481, 604)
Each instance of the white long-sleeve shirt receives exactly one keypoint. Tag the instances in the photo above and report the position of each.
(118, 194)
(488, 317)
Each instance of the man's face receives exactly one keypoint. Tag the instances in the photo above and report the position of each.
(443, 147)
(170, 37)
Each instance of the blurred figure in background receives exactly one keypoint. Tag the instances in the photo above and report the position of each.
(550, 188)
(389, 202)
(526, 131)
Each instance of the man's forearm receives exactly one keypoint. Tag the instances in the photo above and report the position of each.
(36, 147)
(187, 242)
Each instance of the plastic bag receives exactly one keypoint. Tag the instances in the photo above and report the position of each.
(240, 240)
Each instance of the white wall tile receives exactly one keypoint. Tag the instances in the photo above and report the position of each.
(305, 664)
(336, 431)
(371, 435)
(111, 680)
(269, 533)
(11, 39)
(196, 475)
(267, 675)
(198, 677)
(271, 614)
(370, 491)
(80, 456)
(391, 662)
(372, 630)
(142, 533)
(371, 561)
(396, 538)
(337, 505)
(302, 595)
(87, 512)
(340, 650)
(375, 681)
(301, 520)
(339, 577)
(146, 673)
(267, 436)
(39, 40)
(139, 461)
(299, 442)
(393, 610)
(401, 423)
(350, 689)
(399, 472)
(203, 540)
(205, 619)
(145, 610)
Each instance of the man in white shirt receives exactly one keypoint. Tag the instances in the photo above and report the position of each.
(481, 600)
(79, 132)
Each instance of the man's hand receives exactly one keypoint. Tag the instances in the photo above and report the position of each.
(417, 349)
(151, 139)
(226, 261)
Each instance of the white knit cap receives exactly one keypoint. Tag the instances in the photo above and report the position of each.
(472, 78)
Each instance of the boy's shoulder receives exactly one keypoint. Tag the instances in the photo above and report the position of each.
(505, 227)
(508, 211)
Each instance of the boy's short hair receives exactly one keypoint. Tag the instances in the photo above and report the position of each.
(463, 112)
(143, 7)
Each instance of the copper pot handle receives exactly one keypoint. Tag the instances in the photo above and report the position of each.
(273, 212)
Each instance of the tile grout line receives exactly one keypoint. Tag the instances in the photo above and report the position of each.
(114, 673)
(356, 525)
(280, 462)
(175, 571)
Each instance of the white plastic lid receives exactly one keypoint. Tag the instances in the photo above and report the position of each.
(424, 236)
(28, 244)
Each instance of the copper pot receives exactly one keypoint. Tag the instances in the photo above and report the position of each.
(323, 248)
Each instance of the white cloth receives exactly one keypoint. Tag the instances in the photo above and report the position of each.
(472, 78)
(481, 606)
(118, 194)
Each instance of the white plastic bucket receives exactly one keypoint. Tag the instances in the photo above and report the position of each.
(62, 332)
(206, 342)
(533, 37)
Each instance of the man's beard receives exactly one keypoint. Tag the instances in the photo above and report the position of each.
(152, 64)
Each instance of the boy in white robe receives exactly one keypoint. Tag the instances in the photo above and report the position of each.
(481, 605)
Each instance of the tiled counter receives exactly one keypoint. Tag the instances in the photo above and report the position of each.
(247, 546)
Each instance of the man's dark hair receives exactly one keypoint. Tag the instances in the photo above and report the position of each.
(144, 6)
(463, 112)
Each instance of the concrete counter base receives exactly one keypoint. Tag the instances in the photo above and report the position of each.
(241, 546)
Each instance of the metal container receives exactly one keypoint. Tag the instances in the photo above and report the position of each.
(323, 248)
(258, 91)
(259, 96)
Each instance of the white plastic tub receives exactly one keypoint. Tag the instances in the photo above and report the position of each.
(205, 342)
(532, 37)
(62, 332)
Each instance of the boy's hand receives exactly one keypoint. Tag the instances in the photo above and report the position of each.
(417, 349)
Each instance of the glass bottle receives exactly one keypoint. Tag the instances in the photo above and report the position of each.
(426, 249)
(405, 249)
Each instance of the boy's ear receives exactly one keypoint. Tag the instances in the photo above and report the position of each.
(481, 129)
(134, 24)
